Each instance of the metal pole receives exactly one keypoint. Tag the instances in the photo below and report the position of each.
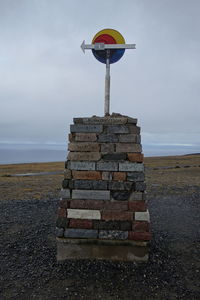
(107, 85)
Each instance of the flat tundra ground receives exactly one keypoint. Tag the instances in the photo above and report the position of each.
(28, 267)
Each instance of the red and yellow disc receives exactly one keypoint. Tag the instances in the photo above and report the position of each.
(108, 36)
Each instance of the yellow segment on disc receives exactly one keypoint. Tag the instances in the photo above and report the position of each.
(114, 33)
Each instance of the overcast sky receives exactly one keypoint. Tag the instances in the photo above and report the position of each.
(46, 80)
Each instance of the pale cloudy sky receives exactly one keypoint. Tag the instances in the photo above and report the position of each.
(46, 80)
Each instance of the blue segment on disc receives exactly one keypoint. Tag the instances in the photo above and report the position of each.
(115, 55)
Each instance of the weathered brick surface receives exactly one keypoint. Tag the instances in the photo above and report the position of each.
(107, 166)
(80, 223)
(136, 196)
(135, 176)
(83, 214)
(137, 206)
(128, 147)
(140, 226)
(106, 175)
(62, 212)
(110, 138)
(140, 186)
(139, 236)
(80, 233)
(114, 156)
(93, 175)
(84, 156)
(135, 157)
(106, 120)
(85, 137)
(129, 138)
(64, 203)
(65, 193)
(81, 165)
(121, 176)
(131, 167)
(107, 148)
(65, 183)
(120, 185)
(113, 234)
(86, 128)
(84, 147)
(117, 129)
(115, 205)
(91, 194)
(133, 129)
(87, 204)
(62, 222)
(120, 195)
(117, 215)
(142, 216)
(90, 184)
(67, 174)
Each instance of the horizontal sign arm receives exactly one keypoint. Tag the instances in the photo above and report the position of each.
(102, 46)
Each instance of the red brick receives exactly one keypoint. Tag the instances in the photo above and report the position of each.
(93, 175)
(119, 176)
(140, 226)
(135, 157)
(87, 204)
(62, 213)
(117, 215)
(64, 203)
(139, 236)
(137, 206)
(117, 205)
(78, 223)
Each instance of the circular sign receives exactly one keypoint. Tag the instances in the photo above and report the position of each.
(108, 36)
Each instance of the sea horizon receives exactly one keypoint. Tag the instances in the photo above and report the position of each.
(20, 153)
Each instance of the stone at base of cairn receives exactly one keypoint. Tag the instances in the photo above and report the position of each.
(102, 211)
(100, 250)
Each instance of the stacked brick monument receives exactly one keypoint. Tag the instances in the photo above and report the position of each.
(102, 211)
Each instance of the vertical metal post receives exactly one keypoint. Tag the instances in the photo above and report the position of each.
(107, 85)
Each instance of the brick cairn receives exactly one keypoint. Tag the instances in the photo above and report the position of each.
(102, 211)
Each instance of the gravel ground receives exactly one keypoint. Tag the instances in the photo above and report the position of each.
(28, 267)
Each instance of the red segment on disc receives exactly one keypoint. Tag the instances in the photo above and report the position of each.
(105, 38)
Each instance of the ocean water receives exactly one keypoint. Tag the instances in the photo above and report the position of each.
(30, 153)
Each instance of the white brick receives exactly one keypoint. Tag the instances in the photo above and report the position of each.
(142, 216)
(83, 214)
(91, 194)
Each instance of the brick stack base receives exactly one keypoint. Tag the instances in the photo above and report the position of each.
(102, 212)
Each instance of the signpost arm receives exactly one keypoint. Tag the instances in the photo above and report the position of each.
(107, 85)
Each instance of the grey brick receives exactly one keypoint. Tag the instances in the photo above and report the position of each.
(117, 129)
(113, 234)
(118, 185)
(135, 176)
(133, 129)
(110, 138)
(91, 194)
(59, 232)
(120, 195)
(106, 225)
(106, 175)
(129, 166)
(136, 196)
(140, 186)
(90, 184)
(126, 225)
(107, 148)
(107, 166)
(128, 147)
(105, 120)
(114, 156)
(80, 233)
(129, 138)
(65, 193)
(86, 128)
(84, 166)
(83, 147)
